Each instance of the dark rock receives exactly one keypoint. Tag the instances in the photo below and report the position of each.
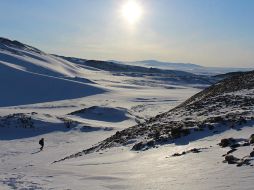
(230, 159)
(246, 144)
(138, 146)
(163, 139)
(226, 142)
(236, 145)
(218, 119)
(195, 150)
(150, 143)
(117, 134)
(232, 150)
(176, 154)
(251, 139)
(252, 154)
(243, 162)
(178, 132)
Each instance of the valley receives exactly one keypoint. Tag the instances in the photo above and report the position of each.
(115, 126)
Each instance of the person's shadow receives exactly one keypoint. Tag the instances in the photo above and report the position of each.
(36, 152)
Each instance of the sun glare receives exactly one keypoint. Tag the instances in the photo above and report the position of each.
(132, 11)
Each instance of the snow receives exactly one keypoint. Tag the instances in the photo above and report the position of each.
(28, 88)
(119, 168)
(45, 90)
(107, 114)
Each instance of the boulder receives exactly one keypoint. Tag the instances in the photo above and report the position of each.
(236, 145)
(251, 139)
(195, 150)
(252, 154)
(226, 142)
(150, 143)
(230, 159)
(138, 146)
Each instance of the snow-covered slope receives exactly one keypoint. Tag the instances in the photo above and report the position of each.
(34, 76)
(26, 58)
(162, 75)
(28, 75)
(226, 104)
(108, 114)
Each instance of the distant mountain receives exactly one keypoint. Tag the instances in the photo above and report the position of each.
(228, 75)
(177, 77)
(224, 105)
(188, 67)
(167, 65)
(120, 67)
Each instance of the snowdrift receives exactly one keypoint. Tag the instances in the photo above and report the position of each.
(107, 114)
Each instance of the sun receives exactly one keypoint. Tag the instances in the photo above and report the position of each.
(132, 11)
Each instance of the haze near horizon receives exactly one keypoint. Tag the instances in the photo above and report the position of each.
(209, 33)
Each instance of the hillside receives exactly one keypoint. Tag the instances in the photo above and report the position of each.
(27, 58)
(35, 77)
(172, 76)
(227, 104)
(187, 67)
(29, 76)
(118, 67)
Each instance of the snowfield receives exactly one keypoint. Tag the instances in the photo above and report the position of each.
(22, 166)
(74, 107)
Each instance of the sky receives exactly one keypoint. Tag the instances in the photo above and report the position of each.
(205, 32)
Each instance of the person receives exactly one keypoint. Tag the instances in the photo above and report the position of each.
(41, 142)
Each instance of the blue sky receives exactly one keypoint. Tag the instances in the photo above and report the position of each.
(205, 32)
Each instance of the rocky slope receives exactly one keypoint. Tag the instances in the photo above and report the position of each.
(227, 104)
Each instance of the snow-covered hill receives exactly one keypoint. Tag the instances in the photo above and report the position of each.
(28, 75)
(227, 104)
(35, 77)
(26, 58)
(162, 75)
(187, 67)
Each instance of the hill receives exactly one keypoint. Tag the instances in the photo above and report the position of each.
(177, 77)
(187, 67)
(224, 105)
(29, 76)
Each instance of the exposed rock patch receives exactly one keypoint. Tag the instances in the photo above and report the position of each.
(194, 150)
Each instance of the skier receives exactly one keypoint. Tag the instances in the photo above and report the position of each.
(41, 142)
